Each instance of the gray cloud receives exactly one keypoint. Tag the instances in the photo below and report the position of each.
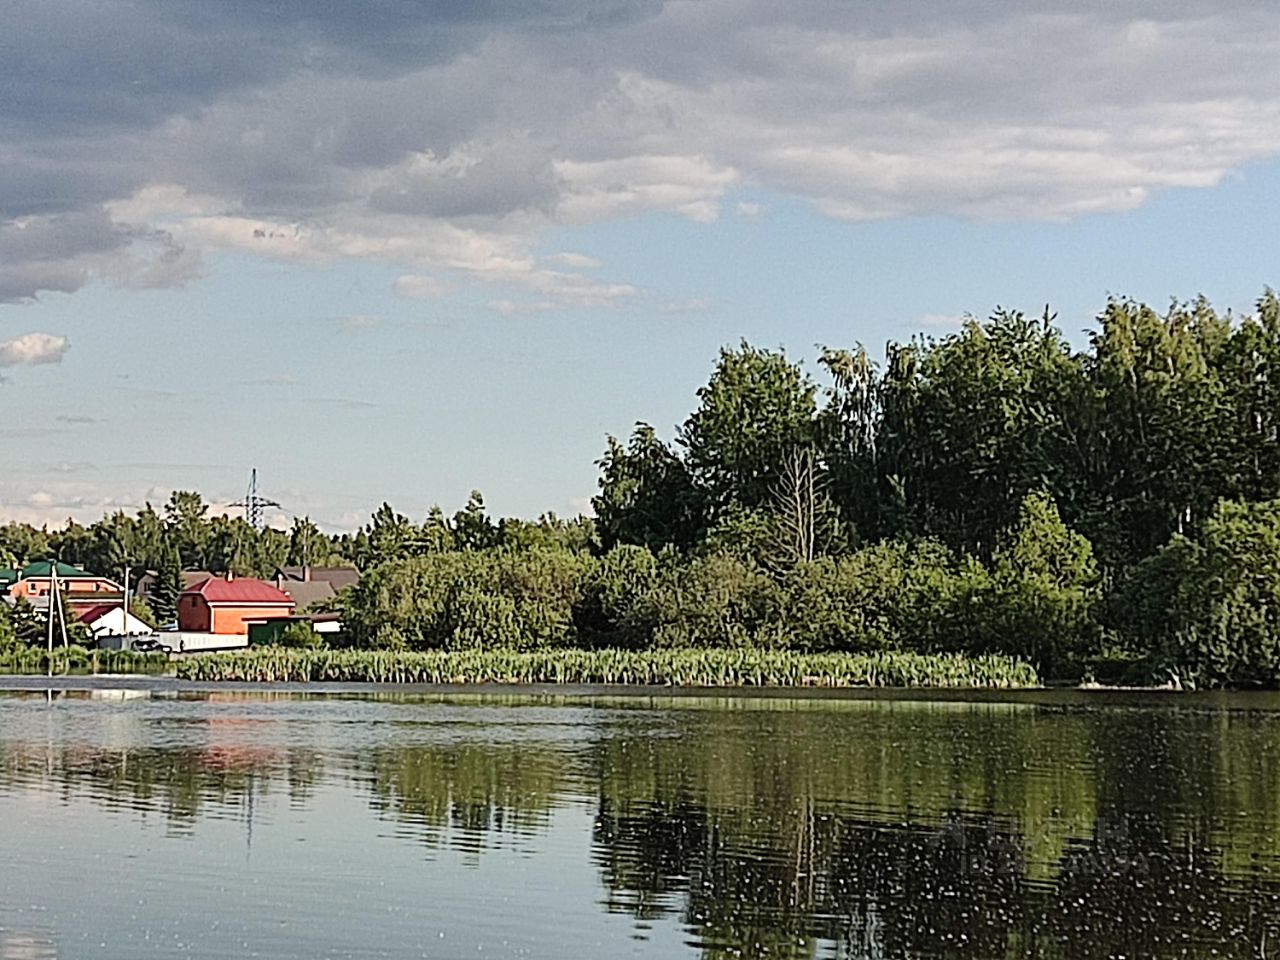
(445, 136)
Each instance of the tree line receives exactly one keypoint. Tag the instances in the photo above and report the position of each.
(992, 490)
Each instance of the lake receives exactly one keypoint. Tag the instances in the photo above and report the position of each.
(155, 823)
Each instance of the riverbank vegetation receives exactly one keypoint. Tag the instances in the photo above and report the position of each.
(681, 667)
(18, 658)
(998, 490)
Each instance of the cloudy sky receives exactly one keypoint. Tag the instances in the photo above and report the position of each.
(398, 249)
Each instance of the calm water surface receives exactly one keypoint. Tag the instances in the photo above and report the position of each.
(272, 825)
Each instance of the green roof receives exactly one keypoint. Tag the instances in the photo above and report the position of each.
(42, 568)
(8, 576)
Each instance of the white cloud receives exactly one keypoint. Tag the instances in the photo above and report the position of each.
(577, 261)
(747, 210)
(601, 189)
(689, 305)
(53, 500)
(31, 349)
(509, 308)
(412, 287)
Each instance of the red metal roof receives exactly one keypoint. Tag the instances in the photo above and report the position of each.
(244, 590)
(93, 613)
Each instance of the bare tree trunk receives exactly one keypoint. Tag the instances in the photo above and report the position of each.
(796, 503)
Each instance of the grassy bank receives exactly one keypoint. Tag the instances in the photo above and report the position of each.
(700, 668)
(75, 659)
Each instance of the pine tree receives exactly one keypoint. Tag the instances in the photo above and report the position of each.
(164, 598)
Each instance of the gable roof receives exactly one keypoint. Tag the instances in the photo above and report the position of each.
(305, 593)
(43, 568)
(244, 590)
(91, 614)
(337, 577)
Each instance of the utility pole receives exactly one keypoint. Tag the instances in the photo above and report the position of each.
(124, 602)
(62, 614)
(53, 589)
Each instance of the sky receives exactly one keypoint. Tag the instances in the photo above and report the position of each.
(398, 250)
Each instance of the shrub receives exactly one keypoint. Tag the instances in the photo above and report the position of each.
(608, 613)
(713, 601)
(301, 636)
(1222, 598)
(464, 599)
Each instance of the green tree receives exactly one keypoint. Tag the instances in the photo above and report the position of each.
(1221, 623)
(164, 596)
(437, 534)
(756, 409)
(8, 635)
(709, 601)
(1157, 439)
(972, 423)
(1046, 590)
(29, 626)
(188, 528)
(21, 544)
(848, 428)
(308, 546)
(472, 528)
(608, 613)
(647, 496)
(74, 544)
(390, 536)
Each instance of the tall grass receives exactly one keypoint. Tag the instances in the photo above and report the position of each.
(694, 668)
(23, 659)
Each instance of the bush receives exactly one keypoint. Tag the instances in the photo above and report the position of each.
(520, 598)
(609, 613)
(1043, 603)
(1221, 598)
(300, 636)
(880, 597)
(713, 601)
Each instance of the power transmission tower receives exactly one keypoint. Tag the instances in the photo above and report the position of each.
(254, 503)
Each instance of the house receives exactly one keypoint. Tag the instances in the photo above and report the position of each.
(306, 594)
(112, 620)
(81, 590)
(146, 584)
(225, 605)
(336, 577)
(309, 586)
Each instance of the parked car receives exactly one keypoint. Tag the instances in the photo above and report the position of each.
(150, 645)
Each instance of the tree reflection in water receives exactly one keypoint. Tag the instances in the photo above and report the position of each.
(876, 830)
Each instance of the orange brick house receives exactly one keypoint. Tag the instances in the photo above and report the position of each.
(224, 606)
(36, 580)
(80, 590)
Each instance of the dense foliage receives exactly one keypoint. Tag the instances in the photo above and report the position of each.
(996, 490)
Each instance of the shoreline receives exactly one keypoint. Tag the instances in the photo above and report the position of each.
(1048, 697)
